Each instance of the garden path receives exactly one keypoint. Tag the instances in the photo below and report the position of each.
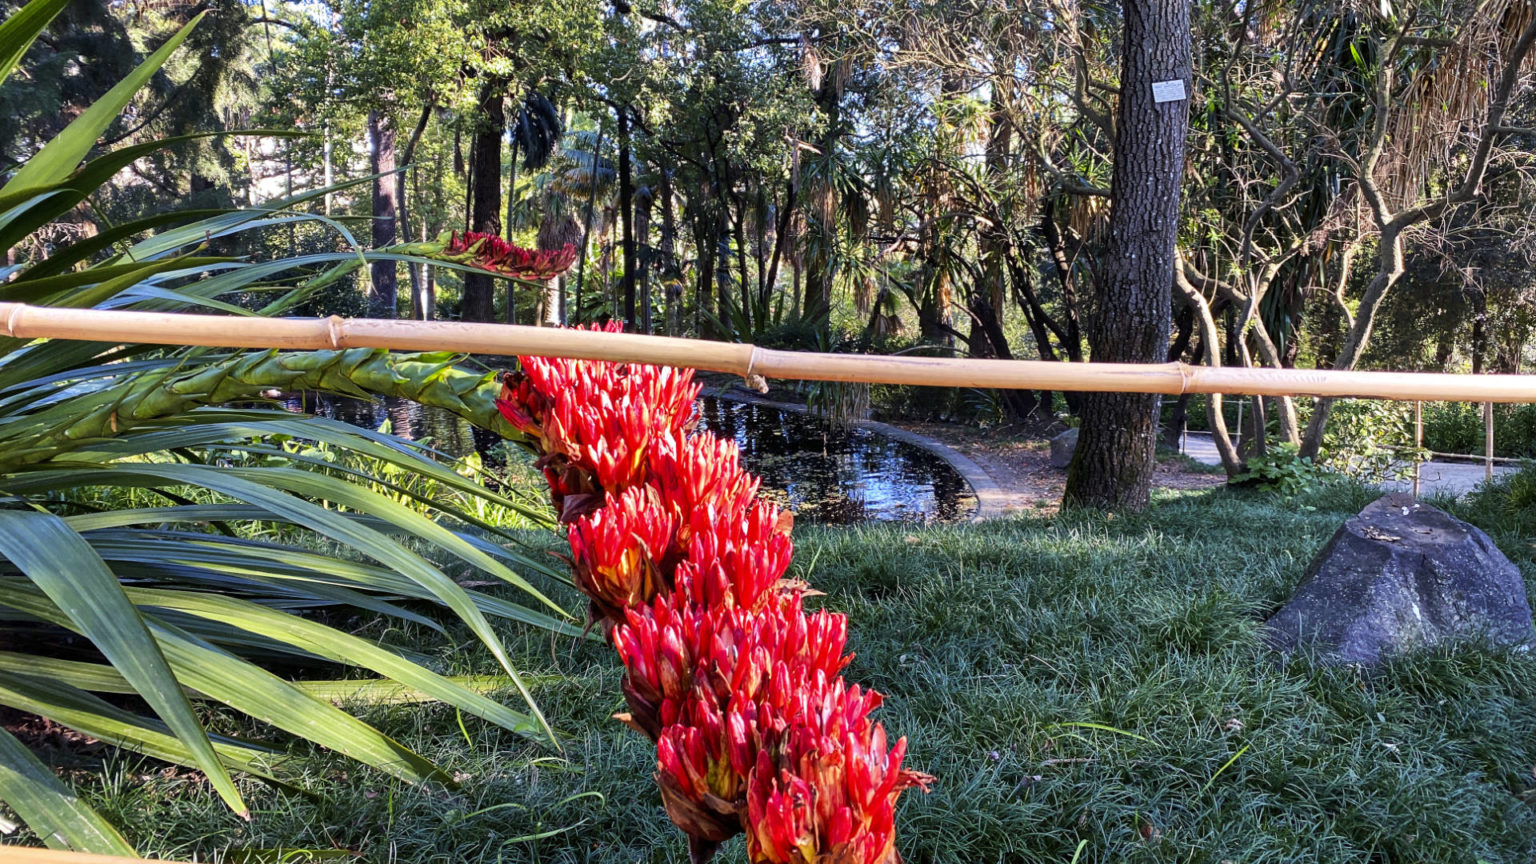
(1436, 477)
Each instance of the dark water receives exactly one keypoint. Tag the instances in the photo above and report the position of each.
(835, 478)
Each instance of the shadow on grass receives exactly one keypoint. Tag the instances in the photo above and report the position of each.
(1068, 678)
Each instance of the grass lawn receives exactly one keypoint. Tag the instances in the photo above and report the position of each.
(1069, 680)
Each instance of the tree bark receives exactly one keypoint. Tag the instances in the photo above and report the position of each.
(627, 213)
(645, 257)
(706, 245)
(407, 156)
(381, 164)
(485, 194)
(669, 266)
(780, 234)
(1117, 447)
(821, 214)
(552, 311)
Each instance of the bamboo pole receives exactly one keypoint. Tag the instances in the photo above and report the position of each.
(34, 855)
(22, 321)
(1418, 445)
(1487, 442)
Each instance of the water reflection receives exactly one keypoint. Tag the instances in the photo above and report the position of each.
(409, 420)
(840, 478)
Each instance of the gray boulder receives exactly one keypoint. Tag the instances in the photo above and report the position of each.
(1398, 577)
(1062, 448)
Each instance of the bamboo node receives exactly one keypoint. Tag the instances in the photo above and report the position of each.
(333, 328)
(752, 379)
(13, 320)
(1186, 377)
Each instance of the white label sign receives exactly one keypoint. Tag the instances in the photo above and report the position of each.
(1168, 91)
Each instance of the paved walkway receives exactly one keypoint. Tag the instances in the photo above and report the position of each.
(1435, 477)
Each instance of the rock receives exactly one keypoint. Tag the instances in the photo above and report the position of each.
(1398, 577)
(1062, 448)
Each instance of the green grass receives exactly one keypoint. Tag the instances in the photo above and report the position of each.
(1068, 679)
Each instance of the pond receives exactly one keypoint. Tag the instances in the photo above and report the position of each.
(827, 477)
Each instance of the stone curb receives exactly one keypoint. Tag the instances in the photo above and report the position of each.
(991, 500)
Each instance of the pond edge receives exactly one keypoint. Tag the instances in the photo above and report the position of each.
(991, 500)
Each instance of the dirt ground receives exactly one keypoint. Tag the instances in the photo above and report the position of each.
(1021, 465)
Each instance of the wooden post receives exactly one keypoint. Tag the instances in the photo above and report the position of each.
(1488, 442)
(1418, 445)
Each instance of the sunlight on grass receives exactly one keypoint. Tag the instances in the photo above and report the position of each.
(1084, 688)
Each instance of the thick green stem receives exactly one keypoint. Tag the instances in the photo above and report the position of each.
(429, 379)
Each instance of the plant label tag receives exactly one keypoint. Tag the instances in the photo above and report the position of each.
(1168, 91)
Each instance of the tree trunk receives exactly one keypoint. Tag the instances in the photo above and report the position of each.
(644, 257)
(627, 213)
(723, 268)
(780, 235)
(1173, 430)
(669, 266)
(511, 310)
(821, 214)
(414, 271)
(704, 242)
(1117, 447)
(743, 281)
(548, 313)
(552, 311)
(381, 164)
(1071, 337)
(485, 194)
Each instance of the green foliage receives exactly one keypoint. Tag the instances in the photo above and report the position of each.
(1370, 440)
(1283, 469)
(1509, 502)
(998, 645)
(1458, 427)
(157, 543)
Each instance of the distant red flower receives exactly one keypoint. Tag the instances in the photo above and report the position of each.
(489, 252)
(686, 570)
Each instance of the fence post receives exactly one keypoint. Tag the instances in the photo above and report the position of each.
(1487, 442)
(1418, 444)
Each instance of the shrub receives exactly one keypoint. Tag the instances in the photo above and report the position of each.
(1282, 468)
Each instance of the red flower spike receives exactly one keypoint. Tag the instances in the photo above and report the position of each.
(740, 688)
(489, 252)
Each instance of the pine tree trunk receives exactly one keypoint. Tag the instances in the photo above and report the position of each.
(485, 195)
(381, 164)
(1116, 450)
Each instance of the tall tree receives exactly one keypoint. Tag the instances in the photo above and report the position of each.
(485, 191)
(627, 214)
(381, 164)
(1116, 450)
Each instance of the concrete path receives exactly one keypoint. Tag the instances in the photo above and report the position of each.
(1435, 477)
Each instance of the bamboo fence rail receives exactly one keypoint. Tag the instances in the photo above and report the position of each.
(22, 321)
(31, 855)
